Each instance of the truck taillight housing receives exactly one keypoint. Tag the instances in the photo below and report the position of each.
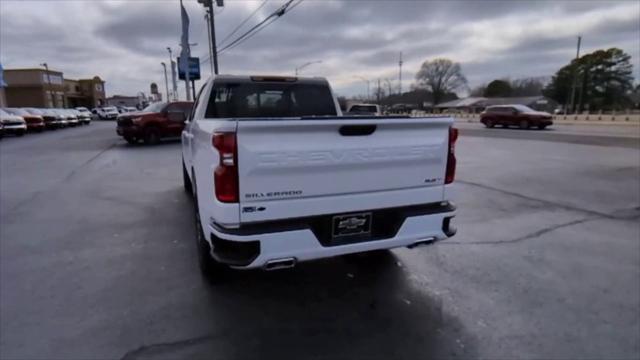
(226, 173)
(451, 156)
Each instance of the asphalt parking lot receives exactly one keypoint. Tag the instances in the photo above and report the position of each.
(97, 260)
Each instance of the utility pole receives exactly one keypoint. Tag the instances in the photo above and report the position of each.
(206, 17)
(575, 76)
(212, 25)
(378, 92)
(368, 86)
(50, 92)
(388, 86)
(400, 74)
(173, 75)
(166, 81)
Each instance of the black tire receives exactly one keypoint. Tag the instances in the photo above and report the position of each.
(186, 182)
(151, 136)
(131, 140)
(211, 270)
(524, 124)
(489, 124)
(541, 127)
(20, 133)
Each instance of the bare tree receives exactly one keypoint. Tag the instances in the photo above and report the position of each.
(441, 77)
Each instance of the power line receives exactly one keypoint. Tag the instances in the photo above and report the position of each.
(261, 25)
(243, 22)
(248, 37)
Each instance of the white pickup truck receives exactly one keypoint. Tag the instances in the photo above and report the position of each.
(279, 176)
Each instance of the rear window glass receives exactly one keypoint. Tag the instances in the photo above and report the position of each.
(255, 100)
(364, 108)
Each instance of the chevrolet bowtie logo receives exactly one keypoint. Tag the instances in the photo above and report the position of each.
(351, 223)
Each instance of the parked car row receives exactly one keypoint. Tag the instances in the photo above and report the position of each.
(111, 112)
(19, 121)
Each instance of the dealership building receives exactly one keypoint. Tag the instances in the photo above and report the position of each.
(49, 89)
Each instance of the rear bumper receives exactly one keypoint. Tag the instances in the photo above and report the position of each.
(14, 128)
(255, 245)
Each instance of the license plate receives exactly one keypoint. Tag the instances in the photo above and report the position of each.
(352, 224)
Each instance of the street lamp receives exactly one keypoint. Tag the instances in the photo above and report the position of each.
(166, 81)
(368, 85)
(50, 92)
(174, 84)
(306, 64)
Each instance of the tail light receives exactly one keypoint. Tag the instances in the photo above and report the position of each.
(451, 156)
(226, 173)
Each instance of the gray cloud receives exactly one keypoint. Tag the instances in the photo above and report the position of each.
(124, 42)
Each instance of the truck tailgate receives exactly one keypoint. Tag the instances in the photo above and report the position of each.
(296, 168)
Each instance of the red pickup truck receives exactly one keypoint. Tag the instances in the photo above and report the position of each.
(155, 122)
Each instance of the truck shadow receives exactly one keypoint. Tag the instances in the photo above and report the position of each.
(351, 308)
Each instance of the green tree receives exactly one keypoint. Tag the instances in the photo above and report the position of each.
(440, 77)
(603, 81)
(498, 88)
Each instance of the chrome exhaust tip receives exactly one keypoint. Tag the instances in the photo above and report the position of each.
(423, 242)
(278, 264)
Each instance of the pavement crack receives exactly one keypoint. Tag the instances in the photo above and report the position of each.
(36, 194)
(91, 159)
(532, 235)
(543, 201)
(164, 347)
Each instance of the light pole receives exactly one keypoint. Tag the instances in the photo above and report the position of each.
(166, 81)
(173, 75)
(307, 64)
(50, 92)
(368, 85)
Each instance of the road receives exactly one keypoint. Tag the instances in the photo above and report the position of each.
(97, 260)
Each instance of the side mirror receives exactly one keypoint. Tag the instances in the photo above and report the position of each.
(176, 116)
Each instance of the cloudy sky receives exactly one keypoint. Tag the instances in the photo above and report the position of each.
(124, 41)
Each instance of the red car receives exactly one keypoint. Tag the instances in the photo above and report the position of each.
(155, 122)
(515, 115)
(34, 122)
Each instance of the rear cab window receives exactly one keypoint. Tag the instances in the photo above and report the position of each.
(264, 99)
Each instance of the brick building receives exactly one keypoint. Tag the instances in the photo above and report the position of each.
(44, 89)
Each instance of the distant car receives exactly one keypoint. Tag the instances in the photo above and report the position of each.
(364, 109)
(60, 119)
(51, 120)
(84, 115)
(72, 119)
(107, 113)
(34, 122)
(515, 115)
(156, 121)
(12, 124)
(84, 118)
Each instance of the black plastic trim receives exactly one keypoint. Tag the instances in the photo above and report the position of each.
(237, 253)
(308, 222)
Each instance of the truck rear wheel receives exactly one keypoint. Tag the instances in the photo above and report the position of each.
(212, 271)
(131, 140)
(489, 124)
